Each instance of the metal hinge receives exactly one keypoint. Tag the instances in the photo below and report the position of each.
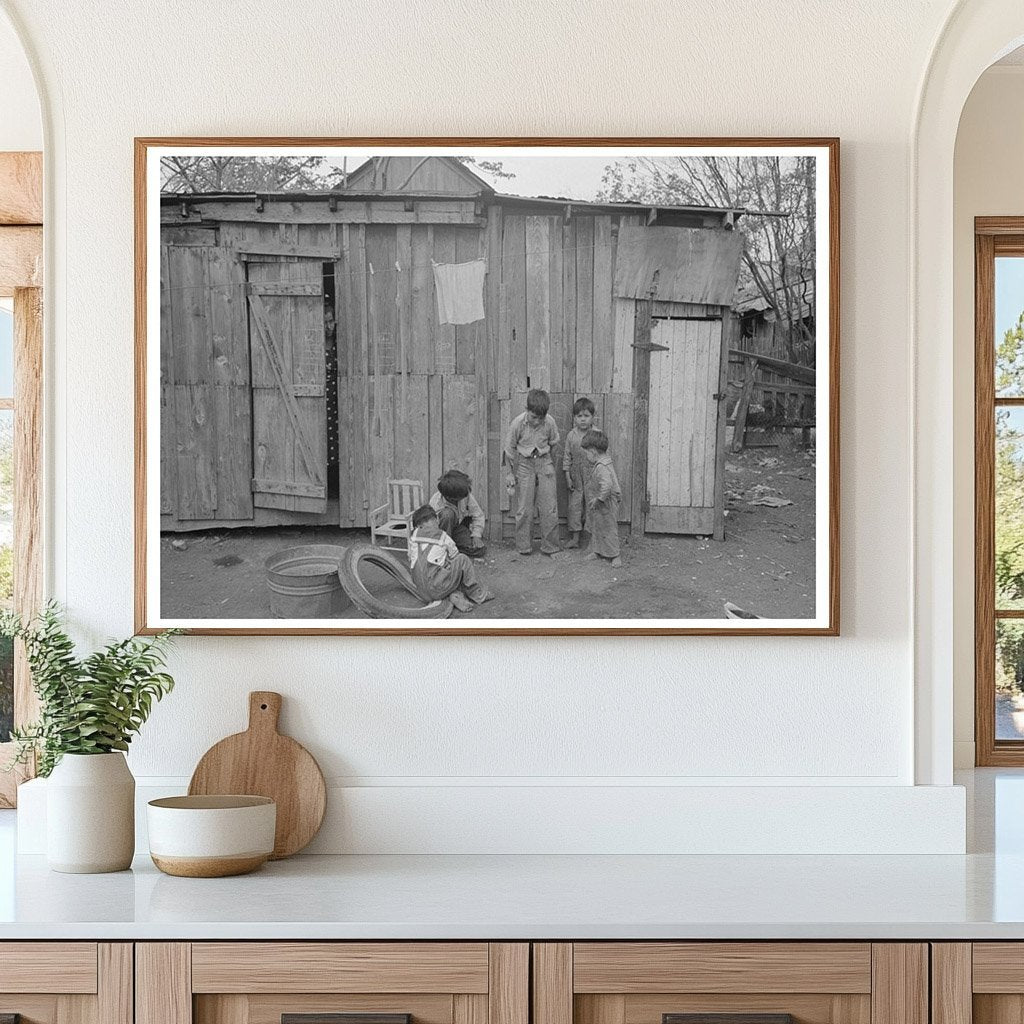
(645, 505)
(718, 396)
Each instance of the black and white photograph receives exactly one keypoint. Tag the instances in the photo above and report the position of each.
(462, 387)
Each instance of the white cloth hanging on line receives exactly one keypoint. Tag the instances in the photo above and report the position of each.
(460, 291)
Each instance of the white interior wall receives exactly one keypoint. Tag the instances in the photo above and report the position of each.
(21, 126)
(987, 182)
(434, 716)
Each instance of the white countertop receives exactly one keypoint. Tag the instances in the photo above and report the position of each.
(516, 897)
(978, 896)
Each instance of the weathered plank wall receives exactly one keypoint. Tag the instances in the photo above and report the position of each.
(205, 386)
(416, 397)
(421, 397)
(560, 328)
(411, 400)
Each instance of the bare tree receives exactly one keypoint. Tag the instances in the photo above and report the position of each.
(779, 255)
(247, 174)
(269, 173)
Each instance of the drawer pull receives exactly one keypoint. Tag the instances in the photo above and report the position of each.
(340, 1018)
(727, 1018)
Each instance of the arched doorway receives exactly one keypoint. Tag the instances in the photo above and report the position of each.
(977, 33)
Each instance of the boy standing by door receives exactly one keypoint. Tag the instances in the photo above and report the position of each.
(576, 467)
(529, 461)
(603, 498)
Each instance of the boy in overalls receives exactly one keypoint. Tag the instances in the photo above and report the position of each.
(439, 568)
(529, 461)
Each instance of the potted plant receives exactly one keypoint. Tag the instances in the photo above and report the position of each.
(89, 710)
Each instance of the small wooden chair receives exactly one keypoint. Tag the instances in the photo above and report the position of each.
(393, 521)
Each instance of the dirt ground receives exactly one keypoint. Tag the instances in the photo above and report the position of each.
(765, 564)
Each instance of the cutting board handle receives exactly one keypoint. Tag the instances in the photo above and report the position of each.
(264, 710)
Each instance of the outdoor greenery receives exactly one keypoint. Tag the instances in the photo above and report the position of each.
(6, 571)
(90, 705)
(1009, 656)
(1009, 509)
(6, 688)
(1009, 474)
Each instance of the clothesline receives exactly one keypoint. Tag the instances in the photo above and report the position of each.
(382, 271)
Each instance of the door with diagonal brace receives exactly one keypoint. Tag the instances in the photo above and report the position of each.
(289, 405)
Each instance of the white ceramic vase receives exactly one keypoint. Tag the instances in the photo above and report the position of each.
(90, 814)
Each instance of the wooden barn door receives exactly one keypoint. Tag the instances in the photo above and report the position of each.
(682, 435)
(289, 397)
(205, 396)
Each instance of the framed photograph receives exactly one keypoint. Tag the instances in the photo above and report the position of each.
(487, 386)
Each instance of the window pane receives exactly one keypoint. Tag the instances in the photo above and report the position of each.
(6, 353)
(1009, 316)
(1009, 679)
(1009, 539)
(6, 567)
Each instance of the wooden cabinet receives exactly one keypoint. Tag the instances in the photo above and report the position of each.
(977, 983)
(494, 983)
(758, 982)
(66, 982)
(308, 982)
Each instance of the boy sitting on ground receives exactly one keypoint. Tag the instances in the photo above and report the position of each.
(603, 503)
(458, 512)
(438, 567)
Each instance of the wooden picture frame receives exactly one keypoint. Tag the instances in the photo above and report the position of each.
(993, 237)
(21, 279)
(423, 214)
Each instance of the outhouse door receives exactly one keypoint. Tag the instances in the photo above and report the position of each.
(682, 445)
(289, 403)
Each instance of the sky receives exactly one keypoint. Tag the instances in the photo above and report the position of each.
(1009, 293)
(570, 177)
(574, 177)
(6, 354)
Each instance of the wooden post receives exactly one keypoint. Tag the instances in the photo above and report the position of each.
(730, 332)
(28, 482)
(641, 413)
(740, 429)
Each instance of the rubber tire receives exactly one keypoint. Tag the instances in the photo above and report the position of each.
(359, 555)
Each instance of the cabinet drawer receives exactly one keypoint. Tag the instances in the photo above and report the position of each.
(66, 982)
(730, 983)
(980, 982)
(340, 967)
(332, 983)
(749, 967)
(66, 967)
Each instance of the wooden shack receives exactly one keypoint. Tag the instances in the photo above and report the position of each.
(763, 374)
(303, 363)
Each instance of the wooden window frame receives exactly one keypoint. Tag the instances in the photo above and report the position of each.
(21, 262)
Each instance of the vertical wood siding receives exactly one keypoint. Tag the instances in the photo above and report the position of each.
(416, 397)
(205, 386)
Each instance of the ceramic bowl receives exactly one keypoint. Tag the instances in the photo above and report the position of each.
(211, 836)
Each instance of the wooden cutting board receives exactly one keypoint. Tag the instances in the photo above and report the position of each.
(262, 762)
